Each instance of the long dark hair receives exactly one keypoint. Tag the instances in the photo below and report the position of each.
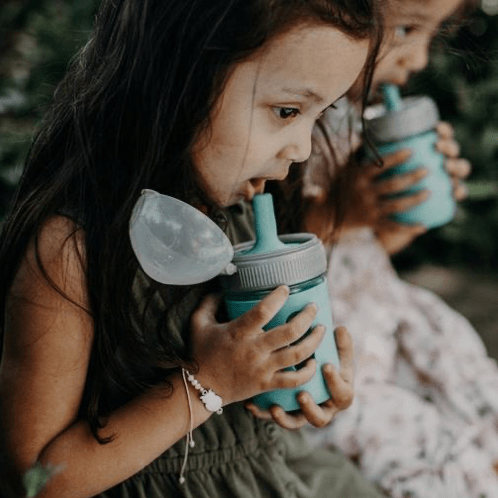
(125, 118)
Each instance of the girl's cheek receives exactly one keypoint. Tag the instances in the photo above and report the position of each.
(263, 144)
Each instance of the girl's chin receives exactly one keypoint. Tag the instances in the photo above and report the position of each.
(230, 200)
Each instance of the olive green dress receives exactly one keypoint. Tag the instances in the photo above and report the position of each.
(237, 455)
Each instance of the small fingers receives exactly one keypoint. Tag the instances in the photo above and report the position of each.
(448, 147)
(317, 416)
(460, 192)
(399, 183)
(291, 421)
(391, 228)
(458, 168)
(397, 205)
(256, 411)
(260, 314)
(299, 352)
(340, 386)
(205, 314)
(345, 349)
(286, 334)
(292, 378)
(445, 130)
(389, 161)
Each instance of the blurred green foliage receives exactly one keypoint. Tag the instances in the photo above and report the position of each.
(38, 38)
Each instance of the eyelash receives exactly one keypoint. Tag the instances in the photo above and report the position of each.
(280, 112)
(401, 32)
(293, 112)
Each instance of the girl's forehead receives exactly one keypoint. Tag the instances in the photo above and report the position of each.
(422, 11)
(305, 46)
(308, 60)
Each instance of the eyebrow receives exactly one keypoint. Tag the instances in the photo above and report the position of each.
(417, 16)
(304, 92)
(411, 12)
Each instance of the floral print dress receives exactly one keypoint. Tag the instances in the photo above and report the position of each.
(424, 421)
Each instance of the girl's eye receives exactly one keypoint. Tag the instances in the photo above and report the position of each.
(286, 112)
(401, 32)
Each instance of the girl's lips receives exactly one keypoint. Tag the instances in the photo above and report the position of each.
(253, 187)
(257, 185)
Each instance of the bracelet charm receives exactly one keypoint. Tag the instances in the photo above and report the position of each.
(211, 400)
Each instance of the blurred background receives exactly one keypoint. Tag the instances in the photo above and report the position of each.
(459, 261)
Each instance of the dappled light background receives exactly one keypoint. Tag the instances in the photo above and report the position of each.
(39, 37)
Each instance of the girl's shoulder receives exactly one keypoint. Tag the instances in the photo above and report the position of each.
(47, 338)
(54, 259)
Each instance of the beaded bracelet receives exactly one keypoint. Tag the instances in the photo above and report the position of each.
(212, 402)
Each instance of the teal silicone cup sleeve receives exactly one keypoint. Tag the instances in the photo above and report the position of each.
(325, 353)
(440, 207)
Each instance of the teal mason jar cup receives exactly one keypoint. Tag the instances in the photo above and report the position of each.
(410, 123)
(299, 261)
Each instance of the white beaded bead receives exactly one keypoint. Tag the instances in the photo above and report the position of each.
(211, 400)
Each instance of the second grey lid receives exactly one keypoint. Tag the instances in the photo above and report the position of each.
(417, 115)
(303, 260)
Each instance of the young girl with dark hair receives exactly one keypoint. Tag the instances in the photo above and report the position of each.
(425, 415)
(203, 101)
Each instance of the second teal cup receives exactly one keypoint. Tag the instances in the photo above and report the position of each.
(410, 124)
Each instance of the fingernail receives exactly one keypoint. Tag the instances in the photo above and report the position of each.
(328, 368)
(305, 397)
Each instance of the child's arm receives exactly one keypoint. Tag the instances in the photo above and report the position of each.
(48, 342)
(45, 360)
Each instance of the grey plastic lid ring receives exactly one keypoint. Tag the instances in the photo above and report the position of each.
(304, 260)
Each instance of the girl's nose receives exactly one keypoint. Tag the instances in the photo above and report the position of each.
(298, 148)
(416, 57)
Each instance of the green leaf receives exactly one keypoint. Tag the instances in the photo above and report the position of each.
(482, 189)
(36, 478)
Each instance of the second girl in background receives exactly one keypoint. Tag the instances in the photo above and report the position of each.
(424, 420)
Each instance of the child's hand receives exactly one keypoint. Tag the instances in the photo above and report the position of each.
(395, 236)
(370, 203)
(239, 359)
(457, 168)
(340, 386)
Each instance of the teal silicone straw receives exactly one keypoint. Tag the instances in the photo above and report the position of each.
(392, 98)
(265, 226)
